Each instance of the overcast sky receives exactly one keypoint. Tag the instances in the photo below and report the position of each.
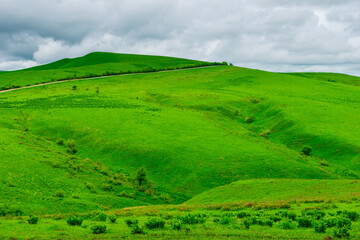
(275, 35)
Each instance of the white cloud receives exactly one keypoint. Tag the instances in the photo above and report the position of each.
(277, 35)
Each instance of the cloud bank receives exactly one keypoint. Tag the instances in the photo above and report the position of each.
(275, 35)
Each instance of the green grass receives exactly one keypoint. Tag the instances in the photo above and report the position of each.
(331, 77)
(275, 190)
(190, 129)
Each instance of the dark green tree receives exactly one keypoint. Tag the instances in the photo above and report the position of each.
(141, 175)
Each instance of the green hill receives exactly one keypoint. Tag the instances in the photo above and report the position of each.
(91, 65)
(192, 130)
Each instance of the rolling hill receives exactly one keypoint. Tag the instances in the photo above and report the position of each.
(193, 130)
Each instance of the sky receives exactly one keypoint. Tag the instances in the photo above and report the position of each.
(274, 35)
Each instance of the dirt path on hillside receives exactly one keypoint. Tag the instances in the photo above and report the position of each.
(115, 75)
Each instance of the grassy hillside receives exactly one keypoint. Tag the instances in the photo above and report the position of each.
(331, 77)
(275, 190)
(93, 64)
(188, 127)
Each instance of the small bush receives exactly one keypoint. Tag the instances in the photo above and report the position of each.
(125, 195)
(135, 229)
(90, 185)
(353, 216)
(225, 220)
(112, 218)
(131, 221)
(176, 224)
(287, 225)
(101, 217)
(74, 87)
(306, 151)
(33, 220)
(155, 223)
(70, 144)
(98, 229)
(243, 215)
(75, 195)
(265, 133)
(60, 142)
(320, 226)
(247, 223)
(192, 218)
(59, 194)
(304, 222)
(249, 119)
(341, 232)
(74, 221)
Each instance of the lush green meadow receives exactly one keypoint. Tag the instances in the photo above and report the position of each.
(218, 135)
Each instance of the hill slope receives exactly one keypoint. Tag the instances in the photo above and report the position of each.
(274, 190)
(189, 128)
(93, 64)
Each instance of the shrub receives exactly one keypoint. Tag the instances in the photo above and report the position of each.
(70, 143)
(75, 195)
(141, 176)
(74, 87)
(131, 221)
(101, 217)
(155, 223)
(98, 229)
(225, 220)
(343, 222)
(341, 232)
(353, 216)
(60, 142)
(135, 229)
(320, 226)
(74, 221)
(33, 220)
(6, 210)
(249, 119)
(243, 215)
(165, 197)
(107, 187)
(125, 195)
(247, 223)
(287, 225)
(192, 218)
(304, 222)
(90, 185)
(176, 224)
(265, 133)
(306, 151)
(59, 194)
(112, 218)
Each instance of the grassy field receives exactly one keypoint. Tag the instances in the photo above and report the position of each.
(218, 135)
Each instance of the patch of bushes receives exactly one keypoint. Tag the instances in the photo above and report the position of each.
(33, 220)
(112, 218)
(101, 217)
(306, 151)
(304, 222)
(249, 119)
(135, 229)
(341, 232)
(125, 195)
(192, 218)
(320, 226)
(265, 133)
(287, 225)
(153, 223)
(60, 194)
(98, 229)
(176, 224)
(131, 221)
(74, 221)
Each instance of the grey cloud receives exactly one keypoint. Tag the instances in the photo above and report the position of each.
(277, 35)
